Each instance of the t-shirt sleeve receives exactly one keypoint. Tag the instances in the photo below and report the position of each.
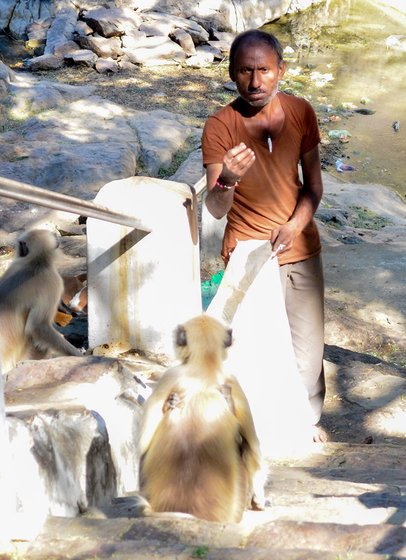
(311, 134)
(216, 141)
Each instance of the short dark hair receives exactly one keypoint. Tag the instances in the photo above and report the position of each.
(255, 36)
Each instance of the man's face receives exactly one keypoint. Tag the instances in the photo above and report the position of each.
(256, 73)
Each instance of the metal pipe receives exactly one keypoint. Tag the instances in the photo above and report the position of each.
(57, 201)
(200, 186)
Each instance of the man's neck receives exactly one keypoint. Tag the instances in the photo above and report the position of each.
(264, 112)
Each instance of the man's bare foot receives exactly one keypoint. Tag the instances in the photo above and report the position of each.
(319, 435)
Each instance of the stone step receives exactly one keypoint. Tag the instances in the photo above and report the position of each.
(342, 483)
(183, 538)
(343, 501)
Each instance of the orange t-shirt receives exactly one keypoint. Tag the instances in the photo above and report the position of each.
(267, 194)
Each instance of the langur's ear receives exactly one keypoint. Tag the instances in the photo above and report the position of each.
(180, 336)
(229, 338)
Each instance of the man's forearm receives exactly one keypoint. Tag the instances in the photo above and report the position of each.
(219, 201)
(305, 208)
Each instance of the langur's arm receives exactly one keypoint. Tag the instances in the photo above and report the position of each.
(44, 336)
(154, 411)
(251, 454)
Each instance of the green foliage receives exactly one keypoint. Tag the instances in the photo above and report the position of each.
(200, 552)
(366, 219)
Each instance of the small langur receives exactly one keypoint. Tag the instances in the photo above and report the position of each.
(199, 452)
(30, 291)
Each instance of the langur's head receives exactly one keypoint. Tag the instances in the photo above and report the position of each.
(36, 242)
(202, 338)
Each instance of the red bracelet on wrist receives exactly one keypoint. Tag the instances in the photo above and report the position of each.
(220, 184)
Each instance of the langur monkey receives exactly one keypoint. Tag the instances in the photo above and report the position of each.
(199, 453)
(30, 291)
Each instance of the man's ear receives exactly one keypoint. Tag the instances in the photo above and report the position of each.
(282, 70)
(231, 71)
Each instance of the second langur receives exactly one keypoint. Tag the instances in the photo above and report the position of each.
(30, 291)
(199, 451)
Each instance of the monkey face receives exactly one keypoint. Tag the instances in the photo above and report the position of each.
(181, 337)
(36, 241)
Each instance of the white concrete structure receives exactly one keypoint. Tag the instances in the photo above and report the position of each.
(142, 285)
(7, 502)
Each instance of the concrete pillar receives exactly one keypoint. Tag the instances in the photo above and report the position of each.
(142, 285)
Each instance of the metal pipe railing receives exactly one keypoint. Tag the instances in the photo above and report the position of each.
(199, 187)
(57, 201)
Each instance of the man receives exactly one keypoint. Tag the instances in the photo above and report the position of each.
(251, 151)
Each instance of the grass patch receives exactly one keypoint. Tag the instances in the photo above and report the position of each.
(366, 219)
(200, 552)
(181, 155)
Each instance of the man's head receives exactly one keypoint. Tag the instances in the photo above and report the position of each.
(256, 66)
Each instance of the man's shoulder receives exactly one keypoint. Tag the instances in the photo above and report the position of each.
(294, 102)
(224, 113)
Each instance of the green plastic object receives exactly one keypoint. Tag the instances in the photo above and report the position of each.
(209, 288)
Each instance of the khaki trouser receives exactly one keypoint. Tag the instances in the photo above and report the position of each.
(303, 288)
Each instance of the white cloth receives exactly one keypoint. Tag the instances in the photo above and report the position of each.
(262, 358)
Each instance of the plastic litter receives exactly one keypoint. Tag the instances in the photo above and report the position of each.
(342, 135)
(340, 166)
(209, 288)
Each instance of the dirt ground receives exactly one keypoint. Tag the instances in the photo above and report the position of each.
(196, 93)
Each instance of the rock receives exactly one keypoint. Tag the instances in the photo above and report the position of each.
(6, 11)
(82, 29)
(222, 36)
(156, 51)
(37, 30)
(106, 387)
(167, 24)
(201, 59)
(6, 74)
(69, 453)
(61, 29)
(226, 14)
(63, 49)
(185, 40)
(333, 216)
(79, 57)
(210, 51)
(191, 170)
(222, 46)
(22, 14)
(230, 86)
(161, 134)
(106, 66)
(133, 40)
(104, 48)
(155, 28)
(112, 22)
(44, 62)
(50, 155)
(125, 64)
